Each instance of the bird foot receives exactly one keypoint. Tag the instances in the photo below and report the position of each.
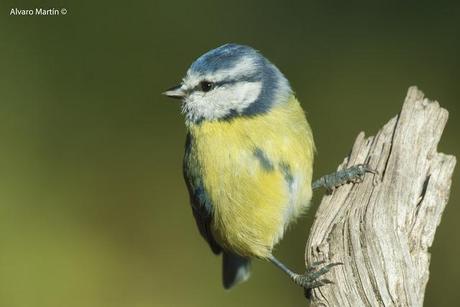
(312, 278)
(354, 174)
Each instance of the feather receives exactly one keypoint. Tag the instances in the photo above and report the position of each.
(235, 269)
(200, 202)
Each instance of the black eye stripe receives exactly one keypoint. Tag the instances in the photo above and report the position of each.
(207, 86)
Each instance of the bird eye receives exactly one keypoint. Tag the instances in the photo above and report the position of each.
(206, 86)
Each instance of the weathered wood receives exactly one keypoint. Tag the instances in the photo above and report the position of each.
(382, 230)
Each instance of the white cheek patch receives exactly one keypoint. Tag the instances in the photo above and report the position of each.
(221, 101)
(239, 95)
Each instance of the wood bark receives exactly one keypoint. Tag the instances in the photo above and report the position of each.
(382, 228)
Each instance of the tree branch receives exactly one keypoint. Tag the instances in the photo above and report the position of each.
(382, 231)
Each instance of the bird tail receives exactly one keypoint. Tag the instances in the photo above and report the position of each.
(235, 269)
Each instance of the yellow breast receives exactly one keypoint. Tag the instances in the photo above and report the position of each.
(257, 173)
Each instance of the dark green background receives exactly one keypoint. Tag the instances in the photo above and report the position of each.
(93, 209)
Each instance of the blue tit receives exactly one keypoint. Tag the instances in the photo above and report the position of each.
(248, 156)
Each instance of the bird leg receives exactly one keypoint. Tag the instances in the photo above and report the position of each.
(311, 279)
(353, 174)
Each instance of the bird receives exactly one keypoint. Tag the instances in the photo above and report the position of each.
(248, 159)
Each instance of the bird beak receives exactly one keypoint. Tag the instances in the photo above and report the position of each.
(175, 92)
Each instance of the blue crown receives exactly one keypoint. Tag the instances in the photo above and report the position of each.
(225, 57)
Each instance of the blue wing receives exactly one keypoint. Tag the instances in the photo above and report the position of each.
(201, 204)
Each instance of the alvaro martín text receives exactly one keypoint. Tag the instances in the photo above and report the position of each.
(35, 11)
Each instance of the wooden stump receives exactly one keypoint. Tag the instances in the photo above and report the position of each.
(382, 228)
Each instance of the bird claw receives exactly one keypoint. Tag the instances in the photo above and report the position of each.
(311, 279)
(353, 174)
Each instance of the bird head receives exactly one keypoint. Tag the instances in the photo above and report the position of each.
(230, 81)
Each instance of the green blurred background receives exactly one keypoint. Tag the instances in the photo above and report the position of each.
(93, 209)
